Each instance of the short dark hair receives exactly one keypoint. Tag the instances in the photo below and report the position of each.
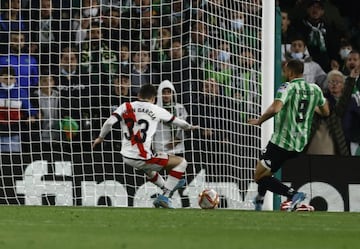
(354, 51)
(296, 66)
(147, 91)
(311, 2)
(7, 71)
(298, 37)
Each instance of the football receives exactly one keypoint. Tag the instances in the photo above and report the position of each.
(208, 199)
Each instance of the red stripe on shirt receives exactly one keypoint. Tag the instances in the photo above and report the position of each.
(135, 139)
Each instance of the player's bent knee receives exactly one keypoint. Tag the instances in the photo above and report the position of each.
(179, 169)
(181, 166)
(261, 171)
(176, 162)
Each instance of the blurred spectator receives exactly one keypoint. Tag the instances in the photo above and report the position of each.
(198, 47)
(332, 14)
(253, 14)
(68, 68)
(11, 20)
(121, 91)
(120, 94)
(219, 67)
(91, 9)
(25, 65)
(138, 19)
(352, 117)
(98, 61)
(287, 29)
(237, 22)
(287, 33)
(352, 65)
(161, 45)
(247, 85)
(80, 29)
(209, 142)
(198, 8)
(328, 133)
(215, 10)
(124, 57)
(352, 62)
(16, 111)
(177, 71)
(90, 12)
(142, 70)
(345, 49)
(75, 100)
(47, 100)
(313, 72)
(233, 30)
(112, 29)
(167, 138)
(355, 32)
(322, 38)
(242, 31)
(179, 19)
(149, 26)
(48, 31)
(121, 4)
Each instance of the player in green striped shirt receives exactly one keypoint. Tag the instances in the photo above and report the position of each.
(293, 109)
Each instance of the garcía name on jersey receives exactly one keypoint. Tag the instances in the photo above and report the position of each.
(144, 110)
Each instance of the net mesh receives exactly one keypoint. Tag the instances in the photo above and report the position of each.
(66, 65)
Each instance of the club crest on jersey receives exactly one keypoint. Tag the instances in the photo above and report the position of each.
(283, 87)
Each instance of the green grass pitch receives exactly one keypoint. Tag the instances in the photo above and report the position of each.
(23, 227)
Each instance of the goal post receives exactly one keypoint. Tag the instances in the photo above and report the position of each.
(268, 70)
(75, 62)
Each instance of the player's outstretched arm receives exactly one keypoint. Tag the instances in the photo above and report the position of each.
(274, 108)
(184, 125)
(105, 129)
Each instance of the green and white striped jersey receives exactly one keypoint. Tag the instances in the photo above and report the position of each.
(293, 122)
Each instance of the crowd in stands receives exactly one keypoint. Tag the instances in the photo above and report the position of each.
(325, 36)
(66, 65)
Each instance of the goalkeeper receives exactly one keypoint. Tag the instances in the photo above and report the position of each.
(293, 110)
(139, 121)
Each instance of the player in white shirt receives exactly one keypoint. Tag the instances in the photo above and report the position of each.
(139, 121)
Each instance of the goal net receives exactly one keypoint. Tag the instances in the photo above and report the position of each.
(66, 65)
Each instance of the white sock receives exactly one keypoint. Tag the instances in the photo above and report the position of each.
(156, 178)
(174, 176)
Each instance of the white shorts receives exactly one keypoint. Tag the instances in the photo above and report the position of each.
(156, 163)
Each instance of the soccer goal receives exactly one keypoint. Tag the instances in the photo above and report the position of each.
(66, 65)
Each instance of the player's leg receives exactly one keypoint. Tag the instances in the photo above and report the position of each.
(155, 178)
(175, 167)
(268, 182)
(260, 172)
(270, 162)
(150, 168)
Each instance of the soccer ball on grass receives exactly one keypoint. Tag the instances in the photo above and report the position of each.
(208, 199)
